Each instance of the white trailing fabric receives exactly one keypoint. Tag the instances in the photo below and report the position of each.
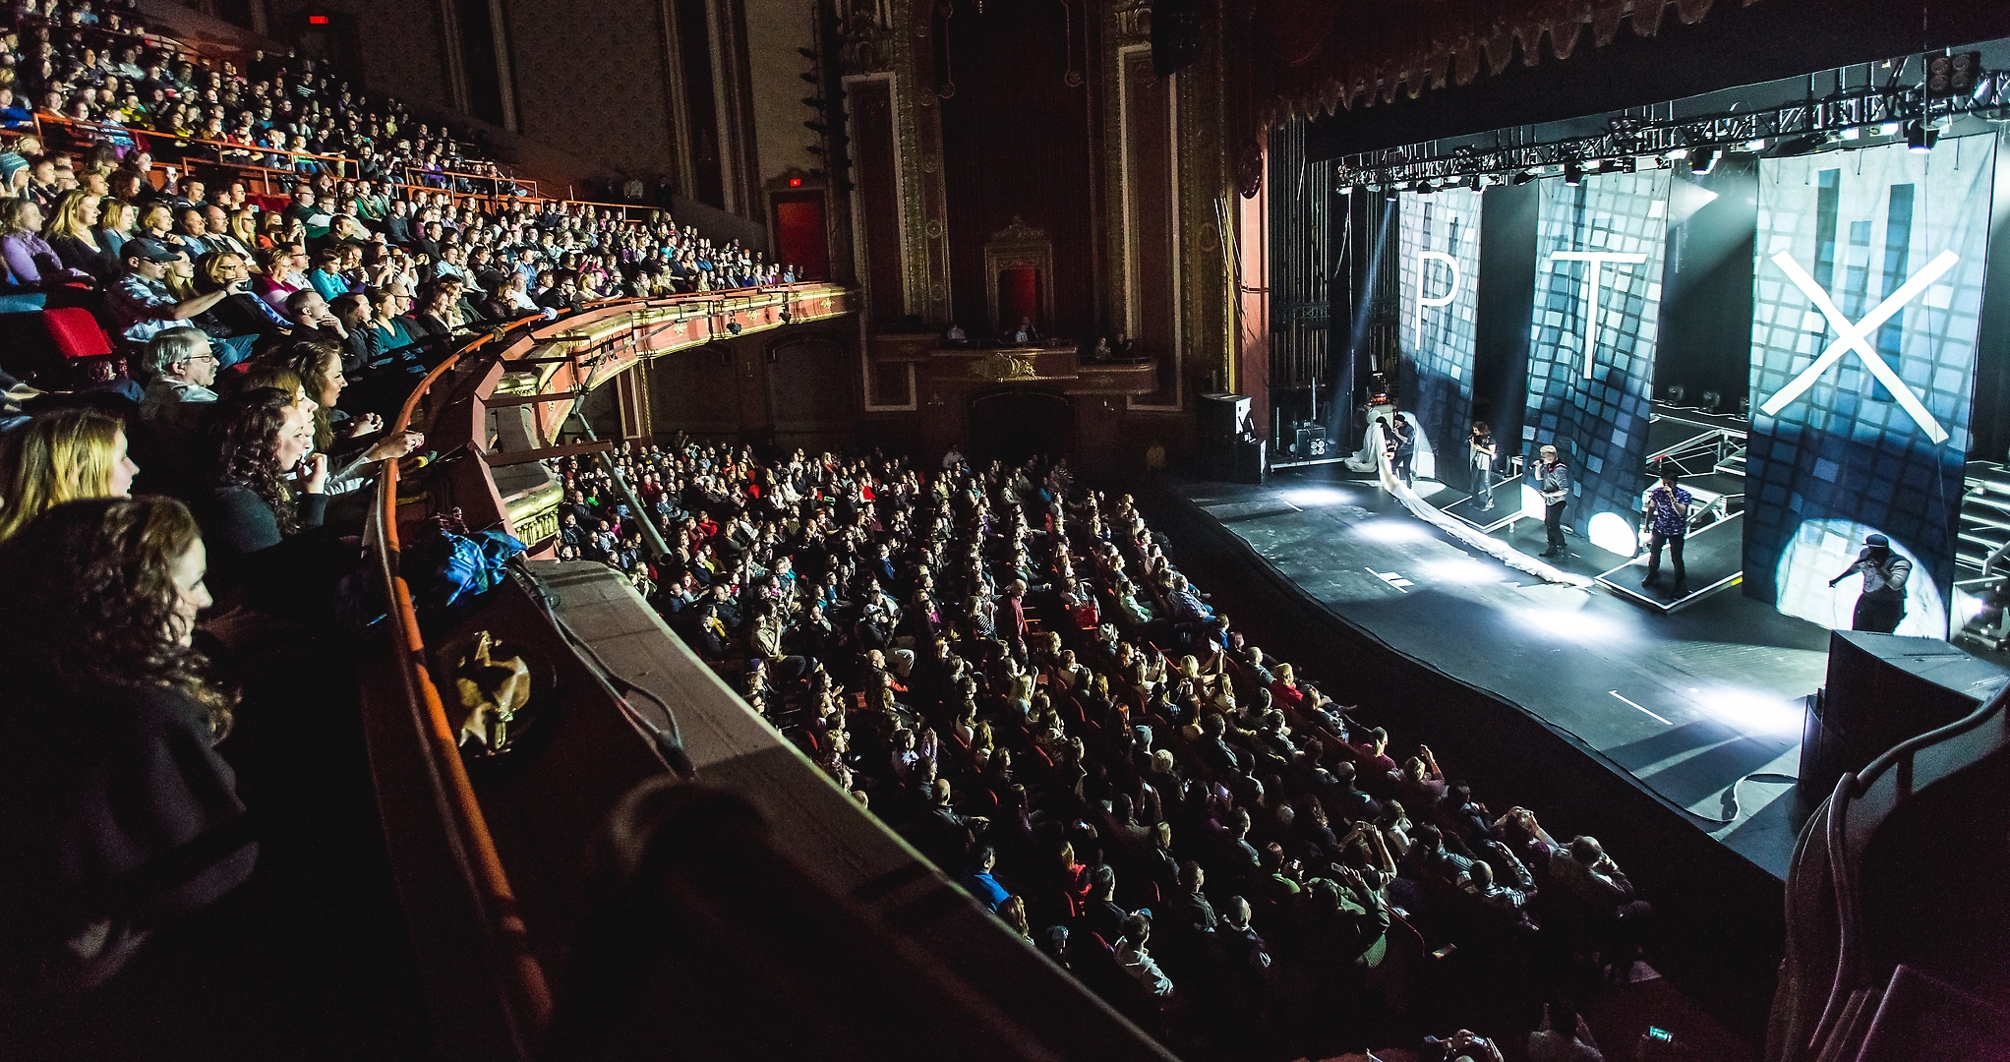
(1465, 533)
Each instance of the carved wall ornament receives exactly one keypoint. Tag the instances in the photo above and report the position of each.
(866, 49)
(1134, 21)
(1001, 367)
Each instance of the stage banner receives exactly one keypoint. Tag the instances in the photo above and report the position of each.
(1868, 292)
(1439, 276)
(1591, 341)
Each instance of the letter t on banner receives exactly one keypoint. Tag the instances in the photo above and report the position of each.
(1594, 261)
(1423, 275)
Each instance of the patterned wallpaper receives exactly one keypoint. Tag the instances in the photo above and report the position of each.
(594, 85)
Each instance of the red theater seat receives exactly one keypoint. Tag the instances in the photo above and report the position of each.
(75, 333)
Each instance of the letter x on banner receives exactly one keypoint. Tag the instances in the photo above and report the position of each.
(1850, 337)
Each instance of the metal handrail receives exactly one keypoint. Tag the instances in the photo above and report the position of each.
(526, 982)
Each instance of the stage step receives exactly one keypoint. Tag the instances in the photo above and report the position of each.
(1733, 465)
(1985, 514)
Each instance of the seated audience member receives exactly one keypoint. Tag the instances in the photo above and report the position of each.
(979, 883)
(326, 276)
(241, 313)
(310, 317)
(141, 305)
(359, 340)
(60, 456)
(122, 819)
(1137, 960)
(183, 368)
(31, 262)
(318, 365)
(394, 342)
(428, 322)
(118, 222)
(74, 236)
(260, 439)
(564, 292)
(282, 271)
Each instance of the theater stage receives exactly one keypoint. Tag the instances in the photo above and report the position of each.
(1682, 705)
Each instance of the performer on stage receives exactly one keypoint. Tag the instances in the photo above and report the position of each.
(1552, 478)
(1481, 451)
(1667, 519)
(1403, 450)
(1882, 604)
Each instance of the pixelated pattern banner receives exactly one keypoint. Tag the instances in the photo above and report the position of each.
(1591, 350)
(1440, 278)
(1877, 254)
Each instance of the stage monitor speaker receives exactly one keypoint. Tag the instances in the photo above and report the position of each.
(1222, 417)
(1881, 690)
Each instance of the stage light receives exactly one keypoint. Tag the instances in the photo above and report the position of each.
(1389, 192)
(1749, 710)
(1852, 133)
(1475, 184)
(1614, 534)
(1574, 624)
(1422, 188)
(1920, 137)
(1464, 571)
(1676, 392)
(1315, 497)
(1702, 159)
(1711, 400)
(1573, 173)
(1625, 165)
(1756, 145)
(1522, 177)
(1393, 529)
(1888, 129)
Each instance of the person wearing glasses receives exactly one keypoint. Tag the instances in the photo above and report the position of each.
(183, 368)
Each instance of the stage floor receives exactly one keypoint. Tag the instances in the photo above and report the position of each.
(1686, 704)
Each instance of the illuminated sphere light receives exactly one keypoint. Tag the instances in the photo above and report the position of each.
(1532, 505)
(1614, 533)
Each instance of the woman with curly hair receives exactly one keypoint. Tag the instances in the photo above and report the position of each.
(121, 816)
(260, 438)
(59, 456)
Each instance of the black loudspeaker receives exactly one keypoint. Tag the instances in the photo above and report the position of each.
(1883, 689)
(1221, 418)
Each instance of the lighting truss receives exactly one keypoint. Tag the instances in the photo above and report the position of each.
(1845, 120)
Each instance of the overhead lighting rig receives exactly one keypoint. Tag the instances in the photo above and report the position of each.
(1858, 117)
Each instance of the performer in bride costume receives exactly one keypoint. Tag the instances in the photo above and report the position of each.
(1374, 441)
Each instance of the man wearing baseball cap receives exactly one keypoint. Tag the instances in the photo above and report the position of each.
(1882, 604)
(1552, 479)
(141, 306)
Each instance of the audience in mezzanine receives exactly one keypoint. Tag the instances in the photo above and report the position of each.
(1011, 671)
(1005, 667)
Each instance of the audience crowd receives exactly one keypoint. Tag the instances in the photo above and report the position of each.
(378, 244)
(1007, 668)
(1012, 672)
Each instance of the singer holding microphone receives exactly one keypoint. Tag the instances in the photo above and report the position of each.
(1882, 604)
